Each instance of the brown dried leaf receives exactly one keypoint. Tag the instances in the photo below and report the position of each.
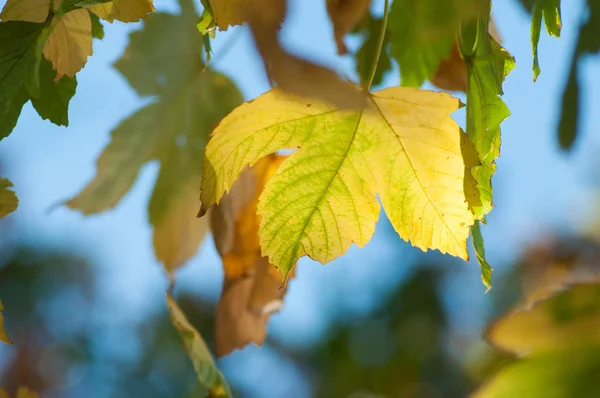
(252, 288)
(293, 74)
(344, 15)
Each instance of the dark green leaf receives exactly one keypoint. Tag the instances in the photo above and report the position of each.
(588, 43)
(97, 27)
(53, 102)
(17, 57)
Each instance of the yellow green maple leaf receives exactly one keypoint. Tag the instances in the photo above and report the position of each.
(123, 10)
(404, 146)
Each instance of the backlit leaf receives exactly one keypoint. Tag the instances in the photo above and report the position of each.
(206, 371)
(563, 373)
(404, 146)
(252, 287)
(164, 59)
(549, 11)
(3, 336)
(69, 41)
(570, 318)
(423, 32)
(478, 247)
(487, 64)
(370, 28)
(123, 10)
(229, 12)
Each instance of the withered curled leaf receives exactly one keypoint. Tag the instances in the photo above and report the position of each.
(252, 288)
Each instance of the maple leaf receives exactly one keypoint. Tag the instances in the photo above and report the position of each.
(8, 200)
(206, 372)
(403, 146)
(252, 287)
(123, 10)
(173, 130)
(3, 336)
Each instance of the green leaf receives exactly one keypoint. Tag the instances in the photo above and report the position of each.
(206, 371)
(422, 34)
(487, 64)
(3, 336)
(365, 54)
(549, 11)
(17, 58)
(560, 374)
(54, 98)
(479, 248)
(588, 43)
(164, 60)
(97, 27)
(18, 63)
(403, 146)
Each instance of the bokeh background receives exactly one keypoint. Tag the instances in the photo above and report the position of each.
(84, 296)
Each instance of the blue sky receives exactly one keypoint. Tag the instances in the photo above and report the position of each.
(537, 188)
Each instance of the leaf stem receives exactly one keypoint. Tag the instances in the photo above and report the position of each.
(382, 30)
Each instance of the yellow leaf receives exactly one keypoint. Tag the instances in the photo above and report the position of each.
(252, 288)
(123, 10)
(229, 12)
(344, 15)
(25, 10)
(569, 318)
(22, 392)
(70, 41)
(177, 233)
(3, 336)
(404, 146)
